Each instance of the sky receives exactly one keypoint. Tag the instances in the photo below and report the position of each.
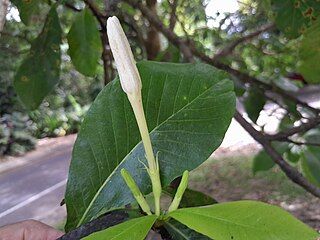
(213, 7)
(221, 6)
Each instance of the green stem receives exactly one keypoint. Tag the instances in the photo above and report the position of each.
(153, 170)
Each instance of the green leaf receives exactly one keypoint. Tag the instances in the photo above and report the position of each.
(244, 220)
(293, 17)
(309, 54)
(310, 159)
(192, 198)
(85, 45)
(188, 110)
(39, 72)
(178, 231)
(310, 163)
(293, 157)
(254, 103)
(134, 229)
(262, 162)
(27, 9)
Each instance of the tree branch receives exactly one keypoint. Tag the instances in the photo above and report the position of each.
(173, 17)
(3, 12)
(299, 143)
(155, 21)
(101, 17)
(73, 8)
(106, 55)
(290, 171)
(229, 48)
(313, 122)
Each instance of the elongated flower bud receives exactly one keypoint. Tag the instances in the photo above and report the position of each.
(135, 191)
(126, 65)
(131, 85)
(180, 191)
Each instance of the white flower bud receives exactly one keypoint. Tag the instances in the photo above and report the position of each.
(126, 65)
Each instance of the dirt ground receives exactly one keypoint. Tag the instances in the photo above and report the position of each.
(227, 176)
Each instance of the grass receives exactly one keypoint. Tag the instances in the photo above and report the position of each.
(235, 173)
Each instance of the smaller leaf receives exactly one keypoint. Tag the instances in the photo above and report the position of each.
(239, 88)
(310, 164)
(84, 43)
(309, 53)
(262, 162)
(310, 159)
(286, 122)
(244, 220)
(292, 156)
(134, 229)
(254, 103)
(178, 231)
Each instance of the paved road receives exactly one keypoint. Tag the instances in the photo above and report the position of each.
(35, 189)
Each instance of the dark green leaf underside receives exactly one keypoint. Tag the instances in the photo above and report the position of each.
(188, 109)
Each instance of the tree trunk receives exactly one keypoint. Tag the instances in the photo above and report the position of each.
(153, 40)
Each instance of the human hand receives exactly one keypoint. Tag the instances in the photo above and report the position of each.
(29, 230)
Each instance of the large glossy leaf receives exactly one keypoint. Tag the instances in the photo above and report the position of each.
(39, 72)
(188, 109)
(293, 17)
(309, 53)
(84, 43)
(27, 9)
(244, 220)
(134, 229)
(178, 231)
